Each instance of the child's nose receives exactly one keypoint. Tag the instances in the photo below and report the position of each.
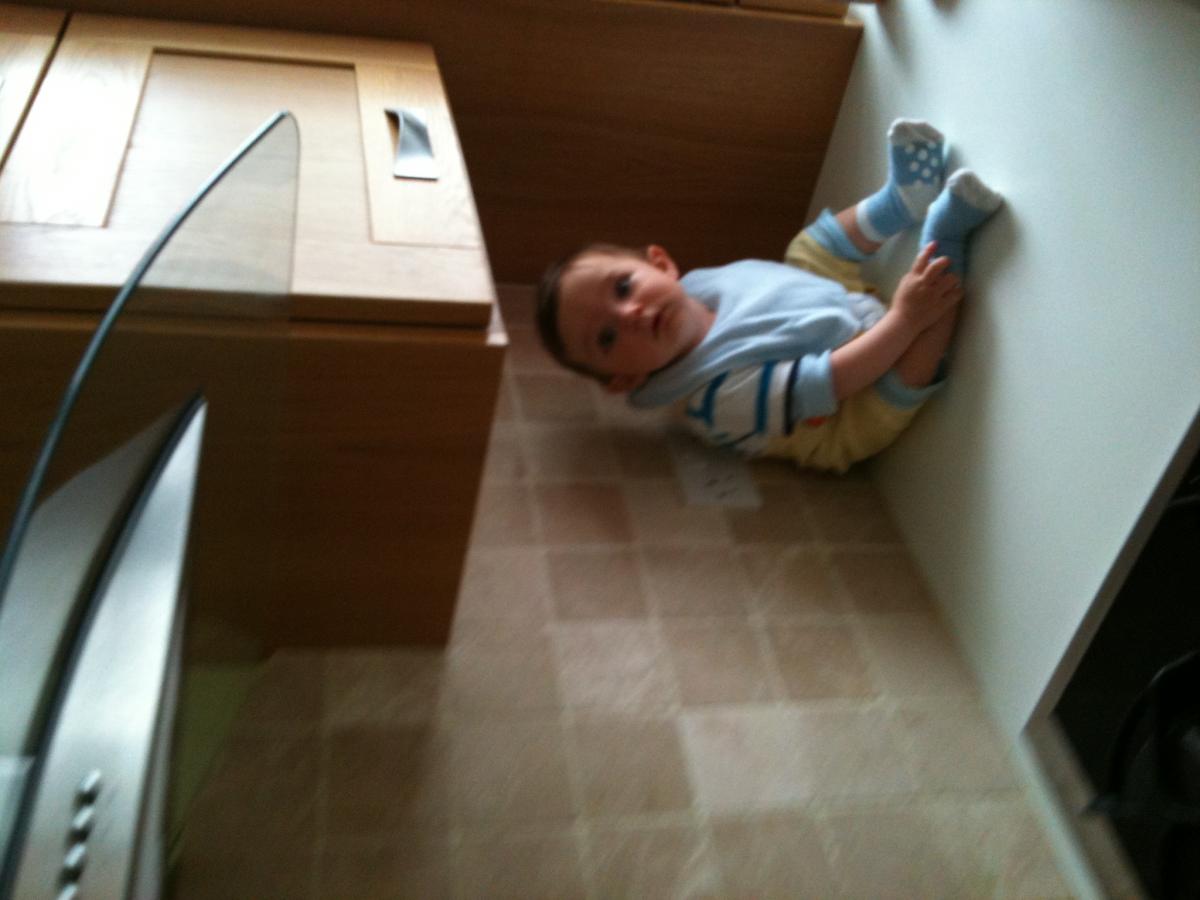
(633, 312)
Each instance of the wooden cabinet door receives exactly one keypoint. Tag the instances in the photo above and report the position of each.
(27, 39)
(134, 114)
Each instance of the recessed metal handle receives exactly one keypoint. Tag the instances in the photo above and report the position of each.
(414, 150)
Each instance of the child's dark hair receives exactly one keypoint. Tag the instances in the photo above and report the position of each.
(548, 298)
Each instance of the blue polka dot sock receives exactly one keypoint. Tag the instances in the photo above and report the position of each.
(916, 166)
(963, 206)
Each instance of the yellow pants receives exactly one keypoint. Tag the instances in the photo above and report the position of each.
(864, 423)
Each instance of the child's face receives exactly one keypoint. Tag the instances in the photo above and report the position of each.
(628, 317)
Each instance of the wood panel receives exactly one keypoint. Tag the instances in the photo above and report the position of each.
(703, 129)
(335, 500)
(809, 7)
(65, 162)
(387, 433)
(27, 38)
(439, 278)
(439, 274)
(65, 165)
(700, 126)
(342, 459)
(261, 43)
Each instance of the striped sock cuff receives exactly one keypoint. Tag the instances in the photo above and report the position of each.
(828, 232)
(885, 213)
(891, 388)
(864, 225)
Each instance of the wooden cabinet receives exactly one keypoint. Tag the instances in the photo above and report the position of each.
(392, 343)
(699, 126)
(27, 39)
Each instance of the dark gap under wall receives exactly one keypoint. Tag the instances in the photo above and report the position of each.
(1154, 621)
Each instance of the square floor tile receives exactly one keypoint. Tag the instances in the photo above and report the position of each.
(569, 453)
(596, 583)
(288, 692)
(614, 667)
(490, 679)
(915, 656)
(718, 661)
(629, 766)
(782, 518)
(882, 581)
(947, 849)
(262, 791)
(504, 583)
(893, 854)
(274, 874)
(410, 864)
(518, 866)
(503, 516)
(386, 778)
(554, 397)
(583, 513)
(378, 686)
(850, 512)
(1000, 836)
(510, 771)
(820, 661)
(955, 747)
(653, 862)
(662, 516)
(696, 581)
(801, 582)
(643, 452)
(747, 759)
(772, 857)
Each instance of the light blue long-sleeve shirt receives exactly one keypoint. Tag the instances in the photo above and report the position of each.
(767, 354)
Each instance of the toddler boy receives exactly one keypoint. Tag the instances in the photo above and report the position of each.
(794, 360)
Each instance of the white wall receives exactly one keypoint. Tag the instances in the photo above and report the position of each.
(1077, 366)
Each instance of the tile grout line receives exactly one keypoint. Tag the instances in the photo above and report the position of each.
(698, 812)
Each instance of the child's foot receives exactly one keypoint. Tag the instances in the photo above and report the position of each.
(916, 167)
(963, 206)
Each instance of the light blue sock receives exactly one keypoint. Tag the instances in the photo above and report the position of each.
(828, 232)
(916, 167)
(964, 205)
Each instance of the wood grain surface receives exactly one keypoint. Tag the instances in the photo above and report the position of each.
(700, 126)
(164, 104)
(27, 38)
(340, 464)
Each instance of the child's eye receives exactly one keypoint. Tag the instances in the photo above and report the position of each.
(623, 286)
(606, 338)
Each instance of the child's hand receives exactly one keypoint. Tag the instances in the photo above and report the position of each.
(927, 291)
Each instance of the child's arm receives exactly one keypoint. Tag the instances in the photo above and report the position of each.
(924, 294)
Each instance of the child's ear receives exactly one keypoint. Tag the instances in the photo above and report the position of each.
(623, 384)
(660, 259)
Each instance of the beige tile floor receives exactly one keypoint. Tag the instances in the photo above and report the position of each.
(641, 699)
